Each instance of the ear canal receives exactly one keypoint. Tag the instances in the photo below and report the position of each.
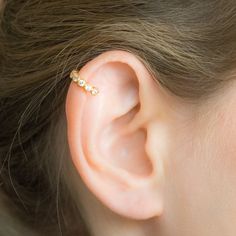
(126, 150)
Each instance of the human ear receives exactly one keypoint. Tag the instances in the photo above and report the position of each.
(110, 135)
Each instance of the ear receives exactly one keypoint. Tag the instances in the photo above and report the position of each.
(115, 137)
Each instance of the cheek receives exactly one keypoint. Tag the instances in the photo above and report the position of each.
(223, 144)
(214, 151)
(223, 120)
(213, 142)
(202, 169)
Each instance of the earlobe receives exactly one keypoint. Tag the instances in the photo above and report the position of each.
(108, 135)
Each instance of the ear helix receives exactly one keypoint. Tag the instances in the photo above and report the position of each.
(74, 75)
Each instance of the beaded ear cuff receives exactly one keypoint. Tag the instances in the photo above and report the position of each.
(74, 75)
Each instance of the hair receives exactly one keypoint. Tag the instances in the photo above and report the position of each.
(188, 46)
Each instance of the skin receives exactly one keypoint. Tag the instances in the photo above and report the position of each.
(174, 171)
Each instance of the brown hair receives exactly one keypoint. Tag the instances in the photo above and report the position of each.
(188, 46)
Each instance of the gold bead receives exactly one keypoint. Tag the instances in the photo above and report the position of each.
(74, 75)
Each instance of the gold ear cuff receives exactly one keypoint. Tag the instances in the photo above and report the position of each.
(74, 75)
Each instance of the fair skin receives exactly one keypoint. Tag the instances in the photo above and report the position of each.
(151, 163)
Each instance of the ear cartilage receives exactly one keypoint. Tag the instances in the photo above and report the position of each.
(74, 75)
